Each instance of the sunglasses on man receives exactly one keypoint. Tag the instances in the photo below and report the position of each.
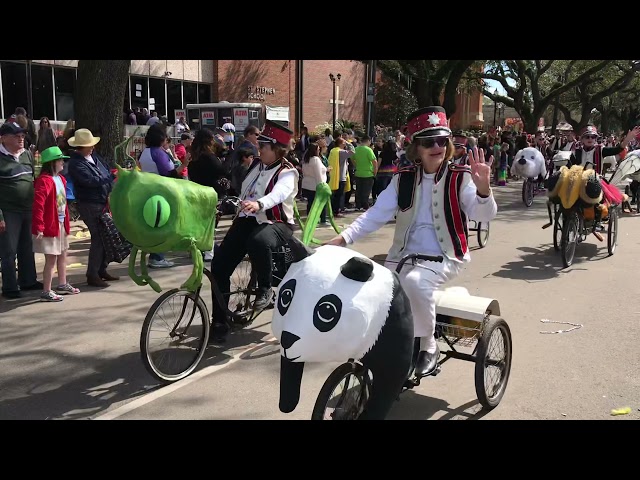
(430, 142)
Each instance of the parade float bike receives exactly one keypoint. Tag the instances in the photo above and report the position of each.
(470, 328)
(482, 231)
(629, 168)
(581, 203)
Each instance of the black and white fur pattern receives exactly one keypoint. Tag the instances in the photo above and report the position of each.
(335, 305)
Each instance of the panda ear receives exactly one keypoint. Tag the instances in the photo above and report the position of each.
(358, 269)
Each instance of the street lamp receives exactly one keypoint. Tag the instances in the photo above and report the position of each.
(333, 79)
(495, 107)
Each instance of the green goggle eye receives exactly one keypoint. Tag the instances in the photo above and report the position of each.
(156, 211)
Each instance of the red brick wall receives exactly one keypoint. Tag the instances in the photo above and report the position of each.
(318, 91)
(233, 77)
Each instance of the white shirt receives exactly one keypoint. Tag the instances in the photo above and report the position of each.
(230, 129)
(421, 235)
(588, 157)
(313, 173)
(89, 159)
(15, 156)
(180, 127)
(281, 190)
(568, 146)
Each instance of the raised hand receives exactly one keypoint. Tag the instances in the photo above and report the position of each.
(480, 171)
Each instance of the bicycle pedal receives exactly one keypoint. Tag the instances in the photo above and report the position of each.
(598, 236)
(547, 225)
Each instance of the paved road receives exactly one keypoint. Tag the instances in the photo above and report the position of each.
(81, 359)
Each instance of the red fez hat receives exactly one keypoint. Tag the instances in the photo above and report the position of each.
(428, 122)
(275, 134)
(589, 130)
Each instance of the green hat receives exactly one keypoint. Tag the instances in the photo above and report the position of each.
(51, 154)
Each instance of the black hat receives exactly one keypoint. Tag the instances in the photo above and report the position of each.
(459, 139)
(11, 128)
(275, 134)
(428, 122)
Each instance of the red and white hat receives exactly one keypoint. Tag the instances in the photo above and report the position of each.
(275, 134)
(428, 122)
(589, 130)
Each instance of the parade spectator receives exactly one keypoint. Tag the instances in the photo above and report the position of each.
(240, 170)
(16, 203)
(366, 167)
(46, 136)
(131, 117)
(328, 136)
(183, 149)
(386, 167)
(50, 224)
(181, 126)
(144, 116)
(314, 172)
(92, 182)
(31, 135)
(338, 159)
(207, 169)
(153, 119)
(229, 133)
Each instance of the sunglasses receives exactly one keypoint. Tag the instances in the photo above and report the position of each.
(430, 142)
(593, 137)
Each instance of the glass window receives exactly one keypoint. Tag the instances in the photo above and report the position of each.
(139, 92)
(156, 91)
(204, 93)
(65, 89)
(190, 93)
(42, 91)
(14, 87)
(174, 99)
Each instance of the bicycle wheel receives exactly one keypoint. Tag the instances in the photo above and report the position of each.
(242, 292)
(493, 363)
(344, 394)
(483, 234)
(569, 238)
(527, 192)
(174, 335)
(557, 231)
(612, 231)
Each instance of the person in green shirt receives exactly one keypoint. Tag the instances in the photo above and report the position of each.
(366, 169)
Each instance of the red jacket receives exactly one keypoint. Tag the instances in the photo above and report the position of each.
(45, 208)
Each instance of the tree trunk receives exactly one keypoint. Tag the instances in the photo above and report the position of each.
(604, 120)
(100, 95)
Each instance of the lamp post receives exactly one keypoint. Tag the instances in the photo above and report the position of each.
(495, 107)
(333, 79)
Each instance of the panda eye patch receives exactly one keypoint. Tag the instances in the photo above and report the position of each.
(326, 313)
(285, 297)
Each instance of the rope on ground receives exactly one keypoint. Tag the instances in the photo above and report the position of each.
(575, 326)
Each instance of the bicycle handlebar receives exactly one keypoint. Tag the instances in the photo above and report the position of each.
(418, 256)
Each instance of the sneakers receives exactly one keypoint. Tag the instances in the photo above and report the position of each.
(50, 296)
(160, 263)
(208, 256)
(67, 289)
(263, 300)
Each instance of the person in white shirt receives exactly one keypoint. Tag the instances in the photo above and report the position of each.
(265, 222)
(313, 173)
(181, 126)
(431, 201)
(229, 135)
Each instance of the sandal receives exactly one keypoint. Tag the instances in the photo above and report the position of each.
(50, 296)
(67, 289)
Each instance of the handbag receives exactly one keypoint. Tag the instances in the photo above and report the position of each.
(116, 247)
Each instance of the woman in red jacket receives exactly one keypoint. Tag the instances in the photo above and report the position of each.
(50, 223)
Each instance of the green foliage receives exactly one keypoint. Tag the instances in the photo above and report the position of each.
(341, 124)
(393, 104)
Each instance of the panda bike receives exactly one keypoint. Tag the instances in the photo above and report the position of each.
(462, 321)
(178, 327)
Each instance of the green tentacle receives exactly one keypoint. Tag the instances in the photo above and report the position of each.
(132, 268)
(145, 272)
(195, 280)
(321, 200)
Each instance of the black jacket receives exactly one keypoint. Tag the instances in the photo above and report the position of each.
(92, 183)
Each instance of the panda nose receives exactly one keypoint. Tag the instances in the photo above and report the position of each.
(522, 161)
(288, 339)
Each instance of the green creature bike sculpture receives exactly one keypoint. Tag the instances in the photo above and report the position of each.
(120, 155)
(160, 214)
(322, 199)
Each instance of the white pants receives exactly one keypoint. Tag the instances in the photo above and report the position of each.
(419, 285)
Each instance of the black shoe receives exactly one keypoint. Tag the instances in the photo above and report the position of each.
(263, 300)
(219, 332)
(12, 294)
(35, 286)
(427, 362)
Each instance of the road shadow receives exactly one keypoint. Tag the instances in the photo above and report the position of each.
(413, 406)
(111, 381)
(543, 263)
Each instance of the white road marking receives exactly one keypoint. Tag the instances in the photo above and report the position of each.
(161, 392)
